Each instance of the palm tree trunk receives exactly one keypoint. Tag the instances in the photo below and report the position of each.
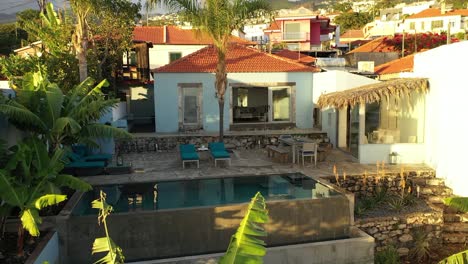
(220, 86)
(20, 241)
(81, 46)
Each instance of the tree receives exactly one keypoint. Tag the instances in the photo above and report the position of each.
(42, 109)
(343, 7)
(352, 20)
(10, 38)
(30, 180)
(110, 31)
(218, 18)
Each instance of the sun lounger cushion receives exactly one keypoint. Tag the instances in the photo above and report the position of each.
(97, 157)
(220, 154)
(189, 155)
(86, 164)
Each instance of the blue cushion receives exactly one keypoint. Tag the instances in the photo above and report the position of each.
(81, 150)
(189, 155)
(86, 164)
(220, 154)
(187, 148)
(98, 157)
(73, 156)
(217, 146)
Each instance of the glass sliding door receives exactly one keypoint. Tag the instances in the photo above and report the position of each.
(190, 106)
(353, 131)
(281, 104)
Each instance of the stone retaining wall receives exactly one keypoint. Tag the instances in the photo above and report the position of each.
(170, 143)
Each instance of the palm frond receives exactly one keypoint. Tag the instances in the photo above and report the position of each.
(459, 203)
(104, 131)
(106, 244)
(54, 103)
(11, 194)
(458, 258)
(20, 114)
(72, 182)
(48, 200)
(31, 220)
(245, 246)
(63, 123)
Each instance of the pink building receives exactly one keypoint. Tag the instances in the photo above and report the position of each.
(301, 29)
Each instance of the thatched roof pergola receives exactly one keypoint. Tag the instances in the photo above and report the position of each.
(373, 92)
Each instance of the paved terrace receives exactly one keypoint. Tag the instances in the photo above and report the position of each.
(157, 166)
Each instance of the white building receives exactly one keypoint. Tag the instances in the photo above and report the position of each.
(436, 20)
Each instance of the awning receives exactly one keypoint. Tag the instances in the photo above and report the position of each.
(373, 92)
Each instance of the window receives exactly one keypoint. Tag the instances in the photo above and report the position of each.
(395, 120)
(242, 97)
(292, 31)
(174, 56)
(412, 25)
(422, 26)
(437, 24)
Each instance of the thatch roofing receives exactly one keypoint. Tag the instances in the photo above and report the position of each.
(373, 92)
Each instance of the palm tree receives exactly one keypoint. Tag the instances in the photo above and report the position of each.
(218, 19)
(42, 109)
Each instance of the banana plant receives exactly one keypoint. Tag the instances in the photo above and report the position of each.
(30, 180)
(106, 244)
(245, 246)
(461, 204)
(42, 109)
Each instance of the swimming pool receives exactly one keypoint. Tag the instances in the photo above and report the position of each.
(205, 192)
(192, 217)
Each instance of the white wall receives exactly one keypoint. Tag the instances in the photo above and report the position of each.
(446, 133)
(159, 54)
(408, 153)
(333, 81)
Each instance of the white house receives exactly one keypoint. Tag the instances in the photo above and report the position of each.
(420, 119)
(262, 89)
(436, 20)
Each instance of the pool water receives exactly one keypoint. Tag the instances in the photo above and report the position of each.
(204, 192)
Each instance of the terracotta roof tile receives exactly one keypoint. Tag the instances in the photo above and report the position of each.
(376, 45)
(274, 26)
(435, 12)
(294, 55)
(353, 33)
(404, 64)
(177, 36)
(238, 59)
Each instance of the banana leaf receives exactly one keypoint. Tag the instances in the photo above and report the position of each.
(459, 203)
(245, 245)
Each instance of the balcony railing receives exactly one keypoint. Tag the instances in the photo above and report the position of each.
(296, 36)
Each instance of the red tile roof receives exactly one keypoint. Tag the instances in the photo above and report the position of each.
(274, 26)
(238, 59)
(294, 55)
(176, 36)
(404, 64)
(353, 33)
(376, 45)
(435, 12)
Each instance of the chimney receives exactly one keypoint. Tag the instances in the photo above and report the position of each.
(164, 34)
(442, 7)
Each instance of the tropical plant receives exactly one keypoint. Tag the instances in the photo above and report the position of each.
(420, 251)
(106, 244)
(218, 19)
(42, 109)
(245, 246)
(30, 180)
(389, 255)
(416, 42)
(458, 258)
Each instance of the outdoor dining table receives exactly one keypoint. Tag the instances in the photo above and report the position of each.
(293, 142)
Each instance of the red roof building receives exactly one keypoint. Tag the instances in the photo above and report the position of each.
(238, 59)
(297, 56)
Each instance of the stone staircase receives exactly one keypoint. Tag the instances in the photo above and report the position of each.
(455, 225)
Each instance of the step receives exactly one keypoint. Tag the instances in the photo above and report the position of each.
(436, 190)
(426, 181)
(454, 217)
(456, 227)
(456, 238)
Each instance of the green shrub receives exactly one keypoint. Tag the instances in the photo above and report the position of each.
(387, 256)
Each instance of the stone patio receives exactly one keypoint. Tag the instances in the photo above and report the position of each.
(157, 166)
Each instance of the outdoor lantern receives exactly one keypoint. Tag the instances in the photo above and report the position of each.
(393, 158)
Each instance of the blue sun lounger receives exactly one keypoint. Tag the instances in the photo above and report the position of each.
(218, 152)
(188, 154)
